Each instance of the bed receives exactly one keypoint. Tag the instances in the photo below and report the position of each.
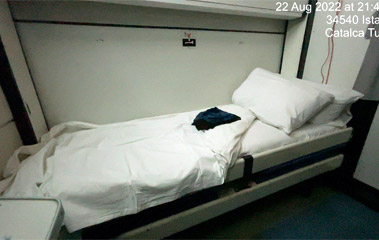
(320, 147)
(268, 146)
(104, 172)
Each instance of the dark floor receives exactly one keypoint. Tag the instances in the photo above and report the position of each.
(325, 214)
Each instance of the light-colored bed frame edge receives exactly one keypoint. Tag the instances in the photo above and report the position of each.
(189, 218)
(290, 152)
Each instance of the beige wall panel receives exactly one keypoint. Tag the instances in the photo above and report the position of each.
(20, 69)
(293, 46)
(110, 74)
(349, 51)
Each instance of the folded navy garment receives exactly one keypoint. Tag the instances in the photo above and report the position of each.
(212, 118)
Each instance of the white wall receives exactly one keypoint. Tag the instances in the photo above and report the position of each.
(368, 166)
(349, 52)
(107, 74)
(132, 73)
(293, 46)
(20, 70)
(349, 55)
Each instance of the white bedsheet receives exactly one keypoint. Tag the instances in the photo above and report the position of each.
(261, 137)
(103, 172)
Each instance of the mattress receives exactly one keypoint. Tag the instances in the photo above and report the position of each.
(271, 147)
(261, 137)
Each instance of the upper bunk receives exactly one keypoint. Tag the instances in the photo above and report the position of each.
(287, 10)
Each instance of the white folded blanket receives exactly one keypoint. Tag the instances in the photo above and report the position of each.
(103, 172)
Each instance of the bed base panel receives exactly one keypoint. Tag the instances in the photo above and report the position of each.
(189, 218)
(298, 163)
(289, 152)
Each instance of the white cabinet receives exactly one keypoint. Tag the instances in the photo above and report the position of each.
(256, 8)
(30, 218)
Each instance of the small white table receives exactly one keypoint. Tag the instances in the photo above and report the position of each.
(29, 218)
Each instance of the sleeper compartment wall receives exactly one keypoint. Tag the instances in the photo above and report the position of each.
(128, 62)
(20, 72)
(112, 74)
(349, 51)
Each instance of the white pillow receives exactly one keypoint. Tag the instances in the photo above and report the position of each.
(280, 102)
(343, 99)
(341, 121)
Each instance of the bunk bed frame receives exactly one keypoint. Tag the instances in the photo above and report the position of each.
(260, 175)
